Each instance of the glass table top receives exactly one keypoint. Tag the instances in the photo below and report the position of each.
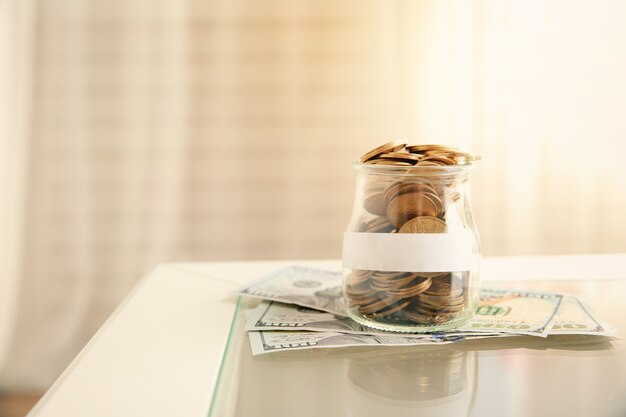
(515, 376)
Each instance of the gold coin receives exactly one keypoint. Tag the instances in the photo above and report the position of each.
(437, 202)
(377, 225)
(377, 305)
(392, 146)
(441, 301)
(424, 224)
(421, 318)
(437, 158)
(361, 302)
(391, 285)
(412, 290)
(431, 274)
(390, 310)
(425, 148)
(401, 156)
(362, 272)
(429, 164)
(386, 275)
(427, 309)
(400, 187)
(386, 227)
(374, 204)
(407, 206)
(389, 162)
(450, 285)
(355, 278)
(396, 281)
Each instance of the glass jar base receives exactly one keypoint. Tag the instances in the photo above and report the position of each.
(452, 324)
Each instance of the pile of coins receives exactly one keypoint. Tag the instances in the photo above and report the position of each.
(410, 204)
(398, 153)
(407, 297)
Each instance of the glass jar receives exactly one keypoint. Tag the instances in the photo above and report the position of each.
(411, 252)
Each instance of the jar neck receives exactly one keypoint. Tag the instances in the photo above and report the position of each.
(439, 174)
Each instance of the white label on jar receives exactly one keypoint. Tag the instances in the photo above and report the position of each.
(410, 252)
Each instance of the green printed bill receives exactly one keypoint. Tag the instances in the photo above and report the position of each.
(304, 308)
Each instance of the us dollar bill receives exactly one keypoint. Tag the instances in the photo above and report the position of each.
(272, 341)
(307, 287)
(271, 315)
(575, 317)
(316, 329)
(519, 312)
(500, 311)
(275, 316)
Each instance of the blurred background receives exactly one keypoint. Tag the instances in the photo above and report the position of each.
(133, 133)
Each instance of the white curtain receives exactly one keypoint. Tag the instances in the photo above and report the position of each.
(215, 130)
(16, 29)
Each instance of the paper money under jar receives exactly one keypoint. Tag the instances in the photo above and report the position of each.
(303, 328)
(411, 251)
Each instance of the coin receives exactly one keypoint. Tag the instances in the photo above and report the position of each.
(438, 158)
(391, 309)
(392, 146)
(412, 290)
(401, 156)
(355, 277)
(388, 162)
(428, 164)
(385, 227)
(383, 283)
(441, 301)
(378, 224)
(400, 187)
(377, 305)
(432, 147)
(424, 224)
(374, 204)
(425, 318)
(438, 309)
(447, 285)
(407, 206)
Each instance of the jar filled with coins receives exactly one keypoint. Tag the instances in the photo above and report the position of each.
(411, 252)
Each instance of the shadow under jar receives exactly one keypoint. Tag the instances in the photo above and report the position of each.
(411, 252)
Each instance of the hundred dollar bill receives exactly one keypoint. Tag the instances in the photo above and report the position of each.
(316, 329)
(499, 316)
(575, 317)
(272, 341)
(271, 315)
(500, 311)
(307, 287)
(275, 316)
(519, 312)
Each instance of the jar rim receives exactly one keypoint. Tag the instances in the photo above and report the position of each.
(413, 170)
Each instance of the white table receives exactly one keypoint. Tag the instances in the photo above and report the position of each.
(160, 353)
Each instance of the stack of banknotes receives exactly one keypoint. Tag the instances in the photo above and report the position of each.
(303, 308)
